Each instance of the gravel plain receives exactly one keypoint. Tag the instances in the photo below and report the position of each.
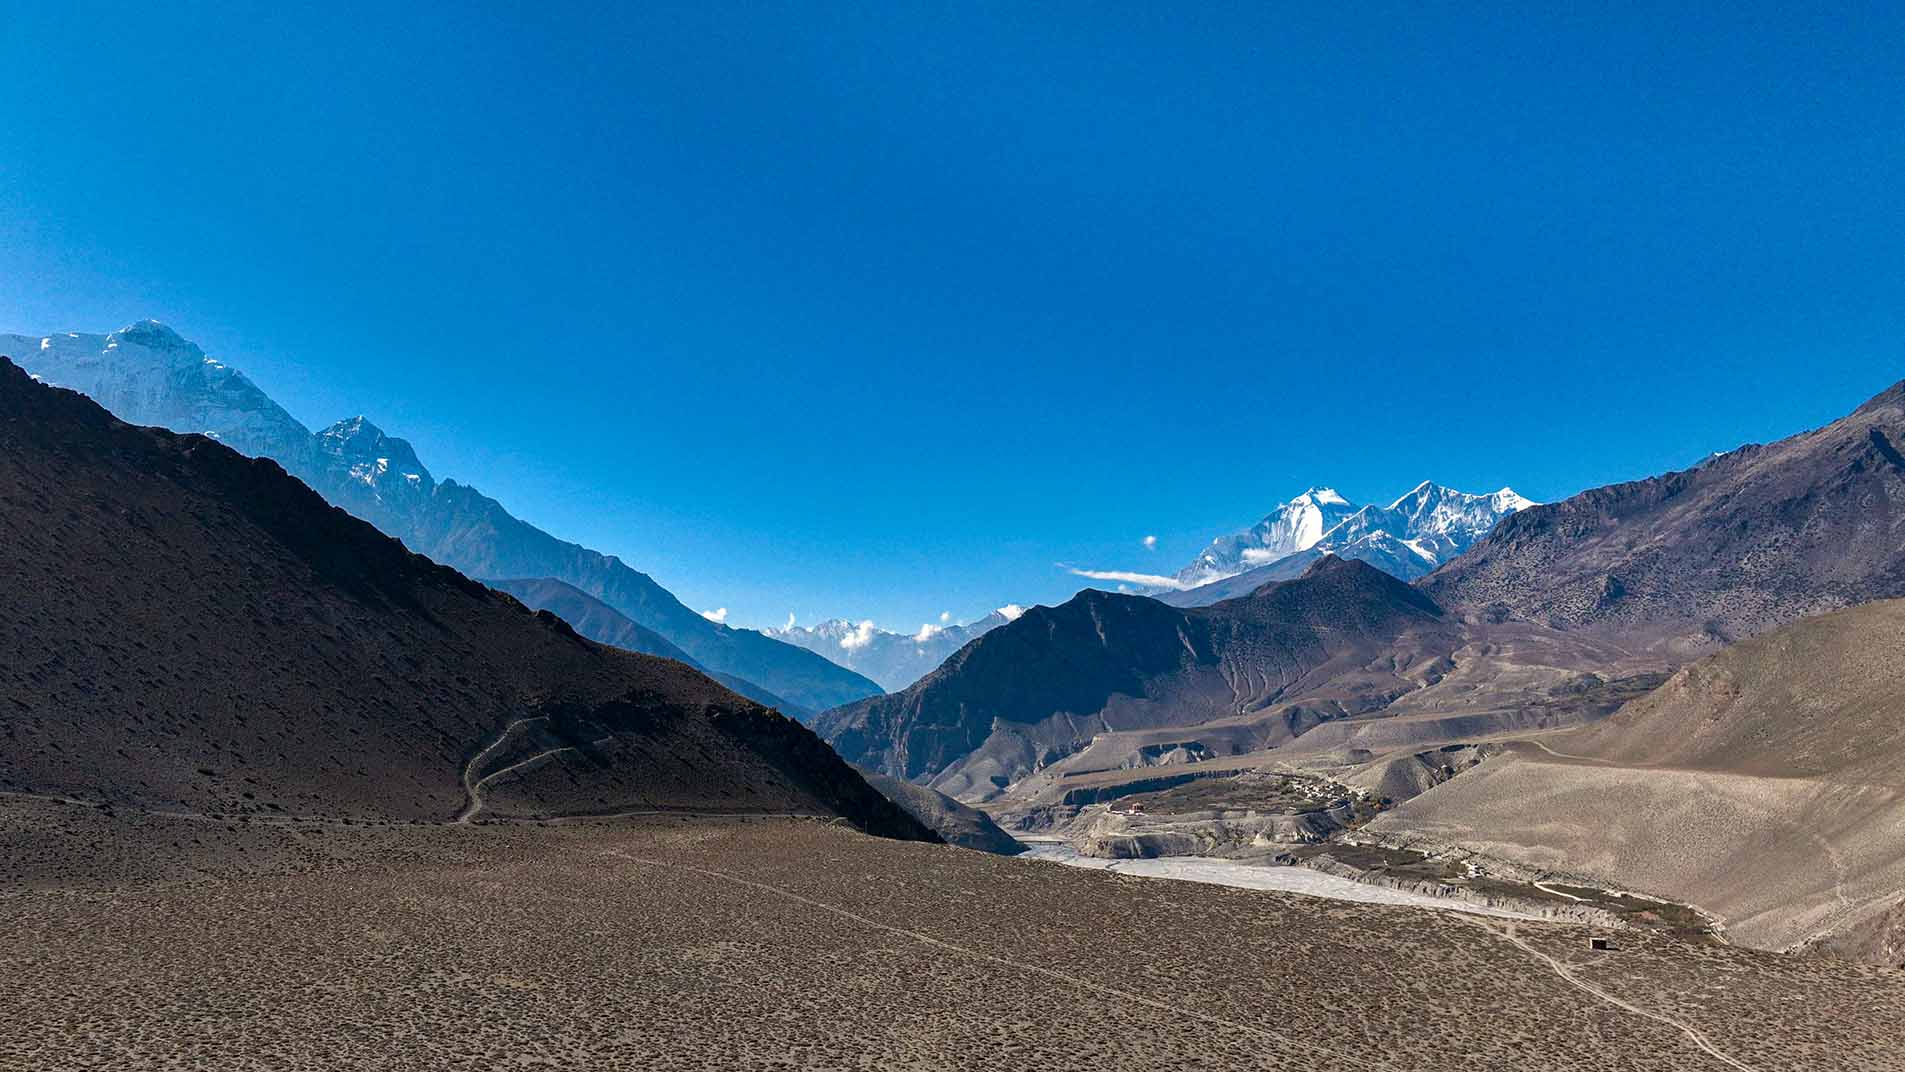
(704, 944)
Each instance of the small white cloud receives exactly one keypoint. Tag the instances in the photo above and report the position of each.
(1150, 543)
(1258, 556)
(945, 616)
(927, 632)
(1148, 580)
(1011, 612)
(719, 614)
(859, 636)
(790, 620)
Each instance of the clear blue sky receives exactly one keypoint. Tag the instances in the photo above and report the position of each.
(881, 310)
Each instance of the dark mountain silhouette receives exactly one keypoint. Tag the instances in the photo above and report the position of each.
(1746, 541)
(147, 374)
(605, 625)
(1042, 687)
(187, 628)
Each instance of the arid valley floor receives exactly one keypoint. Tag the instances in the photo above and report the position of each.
(673, 943)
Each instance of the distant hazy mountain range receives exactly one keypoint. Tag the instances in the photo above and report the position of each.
(1407, 539)
(147, 374)
(894, 660)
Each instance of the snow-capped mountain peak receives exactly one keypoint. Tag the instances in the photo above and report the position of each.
(357, 439)
(383, 463)
(1509, 501)
(893, 660)
(1294, 526)
(1423, 528)
(146, 373)
(151, 335)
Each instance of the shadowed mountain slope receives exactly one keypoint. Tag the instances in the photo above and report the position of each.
(187, 628)
(1741, 543)
(147, 374)
(605, 625)
(959, 824)
(1765, 783)
(1042, 687)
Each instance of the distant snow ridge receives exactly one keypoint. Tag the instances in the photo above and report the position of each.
(1408, 538)
(892, 660)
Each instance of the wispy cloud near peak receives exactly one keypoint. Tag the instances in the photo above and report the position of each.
(1148, 580)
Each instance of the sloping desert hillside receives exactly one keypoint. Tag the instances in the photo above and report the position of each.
(1765, 783)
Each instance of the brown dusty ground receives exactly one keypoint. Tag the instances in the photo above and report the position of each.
(711, 944)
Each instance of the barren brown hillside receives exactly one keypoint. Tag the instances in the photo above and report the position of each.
(1765, 783)
(1744, 542)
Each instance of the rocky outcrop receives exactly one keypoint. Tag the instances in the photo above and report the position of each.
(1136, 836)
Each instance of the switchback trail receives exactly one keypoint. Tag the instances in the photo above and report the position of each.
(471, 783)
